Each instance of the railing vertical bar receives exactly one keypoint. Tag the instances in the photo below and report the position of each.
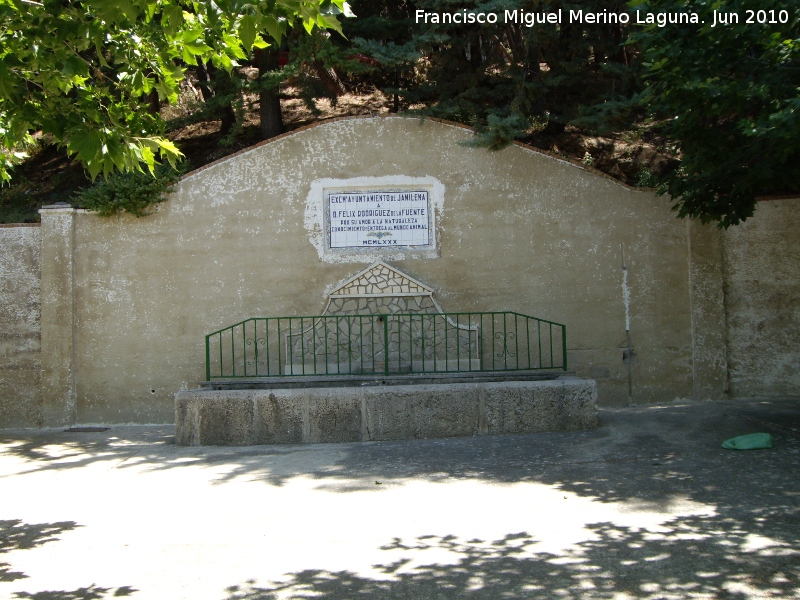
(349, 344)
(479, 342)
(360, 342)
(208, 359)
(338, 347)
(458, 344)
(528, 339)
(302, 348)
(551, 345)
(372, 340)
(244, 346)
(505, 341)
(322, 345)
(255, 344)
(325, 333)
(233, 353)
(469, 341)
(422, 340)
(468, 330)
(221, 367)
(313, 347)
(479, 337)
(434, 343)
(317, 343)
(446, 367)
(411, 343)
(361, 345)
(266, 345)
(388, 327)
(493, 338)
(280, 368)
(539, 335)
(564, 345)
(382, 328)
(398, 368)
(386, 345)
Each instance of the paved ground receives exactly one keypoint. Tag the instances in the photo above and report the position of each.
(647, 506)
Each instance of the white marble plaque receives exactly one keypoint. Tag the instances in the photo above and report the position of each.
(379, 219)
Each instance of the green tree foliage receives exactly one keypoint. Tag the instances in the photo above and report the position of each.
(728, 100)
(80, 70)
(386, 32)
(505, 79)
(316, 62)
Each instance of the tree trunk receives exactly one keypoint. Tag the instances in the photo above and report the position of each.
(228, 119)
(330, 80)
(204, 81)
(396, 95)
(219, 85)
(269, 110)
(153, 103)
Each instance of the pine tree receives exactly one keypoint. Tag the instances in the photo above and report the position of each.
(385, 32)
(504, 79)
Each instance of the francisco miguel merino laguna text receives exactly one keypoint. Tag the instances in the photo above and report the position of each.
(529, 19)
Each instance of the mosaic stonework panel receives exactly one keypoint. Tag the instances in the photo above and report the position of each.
(382, 305)
(383, 280)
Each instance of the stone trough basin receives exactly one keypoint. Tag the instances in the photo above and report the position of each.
(307, 410)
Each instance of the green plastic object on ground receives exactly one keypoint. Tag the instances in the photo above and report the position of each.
(751, 441)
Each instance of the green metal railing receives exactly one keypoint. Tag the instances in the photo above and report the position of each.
(389, 344)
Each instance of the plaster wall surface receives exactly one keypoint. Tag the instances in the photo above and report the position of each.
(20, 327)
(762, 294)
(517, 230)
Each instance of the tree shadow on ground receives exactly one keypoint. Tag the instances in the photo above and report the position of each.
(645, 434)
(64, 450)
(747, 546)
(639, 459)
(16, 535)
(629, 438)
(696, 557)
(647, 456)
(92, 592)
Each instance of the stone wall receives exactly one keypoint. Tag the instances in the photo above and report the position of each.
(127, 302)
(20, 331)
(762, 298)
(515, 230)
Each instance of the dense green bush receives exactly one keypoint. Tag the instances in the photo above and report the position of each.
(135, 193)
(17, 206)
